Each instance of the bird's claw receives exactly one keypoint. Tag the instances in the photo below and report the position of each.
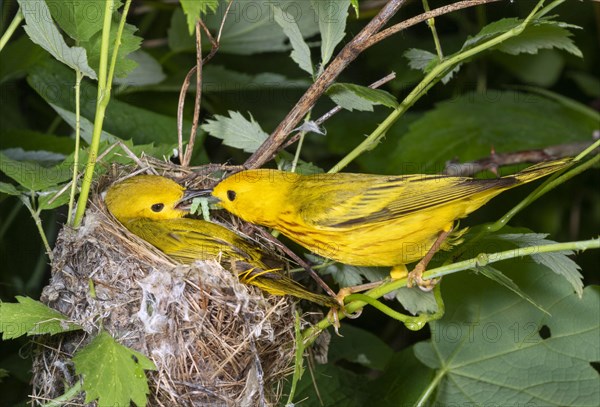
(333, 315)
(415, 277)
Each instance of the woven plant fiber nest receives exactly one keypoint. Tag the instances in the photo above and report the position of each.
(214, 341)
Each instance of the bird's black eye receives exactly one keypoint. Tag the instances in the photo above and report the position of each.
(157, 207)
(231, 195)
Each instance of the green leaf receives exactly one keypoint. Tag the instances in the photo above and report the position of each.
(402, 381)
(33, 176)
(79, 19)
(46, 199)
(34, 141)
(420, 59)
(18, 56)
(236, 131)
(558, 262)
(359, 346)
(9, 189)
(42, 157)
(351, 96)
(540, 34)
(416, 301)
(147, 72)
(30, 317)
(41, 30)
(542, 69)
(497, 349)
(300, 51)
(336, 387)
(112, 373)
(544, 35)
(343, 274)
(129, 43)
(499, 277)
(86, 127)
(332, 15)
(250, 27)
(284, 162)
(194, 9)
(466, 127)
(425, 61)
(178, 36)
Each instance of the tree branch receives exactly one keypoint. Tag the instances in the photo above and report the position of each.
(495, 161)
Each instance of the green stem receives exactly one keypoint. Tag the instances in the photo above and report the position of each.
(298, 359)
(11, 29)
(430, 79)
(436, 40)
(430, 388)
(300, 143)
(78, 78)
(105, 76)
(68, 395)
(311, 333)
(297, 154)
(413, 323)
(38, 223)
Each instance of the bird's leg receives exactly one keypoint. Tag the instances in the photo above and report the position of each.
(416, 275)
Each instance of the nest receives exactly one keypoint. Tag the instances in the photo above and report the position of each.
(213, 340)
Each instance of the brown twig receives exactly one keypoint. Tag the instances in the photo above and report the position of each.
(366, 38)
(185, 161)
(348, 54)
(297, 259)
(396, 28)
(495, 161)
(336, 109)
(186, 84)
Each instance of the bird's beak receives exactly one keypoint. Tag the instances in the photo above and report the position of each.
(189, 194)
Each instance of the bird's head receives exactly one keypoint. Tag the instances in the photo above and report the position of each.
(147, 196)
(256, 196)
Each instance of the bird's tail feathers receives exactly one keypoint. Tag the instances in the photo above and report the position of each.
(542, 169)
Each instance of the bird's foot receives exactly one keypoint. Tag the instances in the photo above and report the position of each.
(415, 277)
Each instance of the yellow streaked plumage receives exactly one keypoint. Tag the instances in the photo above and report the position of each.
(151, 207)
(364, 220)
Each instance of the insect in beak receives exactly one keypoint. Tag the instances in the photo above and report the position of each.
(189, 194)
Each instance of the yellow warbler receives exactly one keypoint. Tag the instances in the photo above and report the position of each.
(365, 220)
(153, 208)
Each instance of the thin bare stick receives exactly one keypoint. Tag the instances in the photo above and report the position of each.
(348, 54)
(297, 259)
(495, 161)
(396, 28)
(216, 42)
(336, 109)
(197, 101)
(180, 104)
(186, 83)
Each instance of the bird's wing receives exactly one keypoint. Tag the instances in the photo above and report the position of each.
(357, 199)
(188, 240)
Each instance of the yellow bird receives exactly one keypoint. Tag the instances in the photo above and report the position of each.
(366, 220)
(153, 208)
